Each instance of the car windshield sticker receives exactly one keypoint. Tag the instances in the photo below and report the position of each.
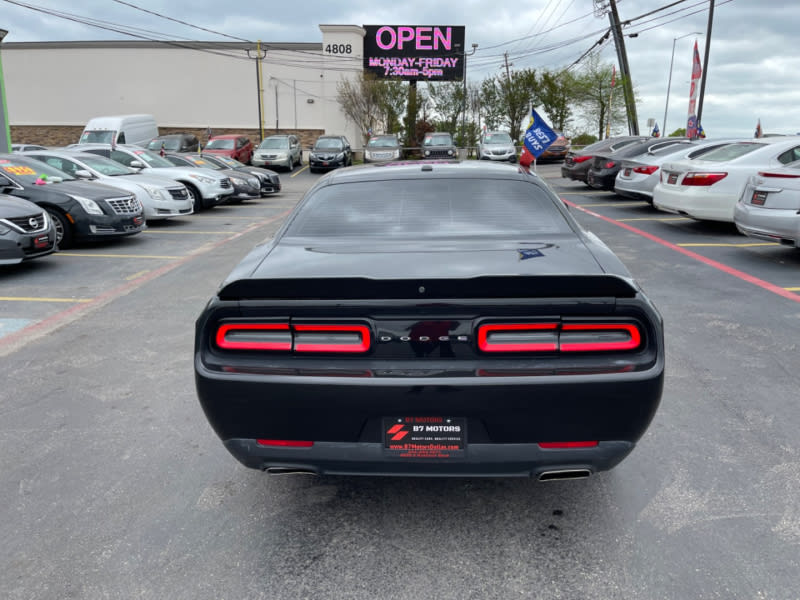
(526, 254)
(19, 170)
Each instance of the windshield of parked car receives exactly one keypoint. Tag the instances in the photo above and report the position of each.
(439, 139)
(151, 159)
(731, 151)
(497, 138)
(382, 141)
(97, 137)
(328, 144)
(431, 209)
(228, 162)
(171, 144)
(205, 162)
(28, 171)
(274, 143)
(106, 166)
(220, 145)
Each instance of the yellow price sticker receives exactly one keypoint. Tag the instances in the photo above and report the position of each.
(19, 170)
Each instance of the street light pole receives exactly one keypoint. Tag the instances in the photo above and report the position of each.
(669, 82)
(464, 112)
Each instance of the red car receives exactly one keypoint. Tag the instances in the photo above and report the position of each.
(234, 146)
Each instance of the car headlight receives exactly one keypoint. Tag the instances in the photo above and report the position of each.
(203, 179)
(90, 206)
(254, 181)
(340, 156)
(156, 193)
(427, 152)
(450, 153)
(238, 181)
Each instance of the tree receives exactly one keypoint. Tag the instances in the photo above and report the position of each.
(557, 92)
(448, 97)
(680, 132)
(372, 104)
(511, 98)
(597, 103)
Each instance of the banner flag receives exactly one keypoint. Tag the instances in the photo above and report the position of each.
(656, 132)
(697, 71)
(759, 133)
(539, 136)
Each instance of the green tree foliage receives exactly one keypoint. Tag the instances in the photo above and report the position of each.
(448, 98)
(680, 132)
(371, 103)
(583, 139)
(556, 94)
(507, 100)
(597, 103)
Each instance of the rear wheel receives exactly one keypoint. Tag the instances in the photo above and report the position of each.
(64, 233)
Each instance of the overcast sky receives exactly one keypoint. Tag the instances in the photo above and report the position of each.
(753, 69)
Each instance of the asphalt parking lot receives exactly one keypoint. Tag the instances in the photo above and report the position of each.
(114, 486)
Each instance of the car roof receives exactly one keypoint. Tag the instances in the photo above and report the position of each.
(227, 136)
(434, 169)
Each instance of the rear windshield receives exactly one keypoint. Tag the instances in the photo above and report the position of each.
(731, 151)
(497, 138)
(429, 209)
(383, 141)
(168, 144)
(97, 137)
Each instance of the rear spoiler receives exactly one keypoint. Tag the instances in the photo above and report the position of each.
(362, 288)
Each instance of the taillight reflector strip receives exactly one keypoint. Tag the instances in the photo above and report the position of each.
(646, 170)
(285, 443)
(254, 336)
(779, 175)
(594, 337)
(518, 337)
(331, 338)
(562, 445)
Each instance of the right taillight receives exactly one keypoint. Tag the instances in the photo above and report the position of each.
(646, 170)
(559, 337)
(580, 159)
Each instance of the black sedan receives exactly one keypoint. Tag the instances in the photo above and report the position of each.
(25, 231)
(605, 165)
(245, 186)
(80, 210)
(577, 162)
(430, 319)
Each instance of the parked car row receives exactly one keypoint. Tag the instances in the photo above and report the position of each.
(51, 199)
(753, 183)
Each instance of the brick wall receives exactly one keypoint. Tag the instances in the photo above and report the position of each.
(61, 135)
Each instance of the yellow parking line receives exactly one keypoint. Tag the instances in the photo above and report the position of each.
(193, 232)
(727, 245)
(26, 299)
(793, 289)
(298, 172)
(657, 219)
(87, 255)
(135, 275)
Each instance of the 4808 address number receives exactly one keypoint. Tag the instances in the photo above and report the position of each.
(339, 49)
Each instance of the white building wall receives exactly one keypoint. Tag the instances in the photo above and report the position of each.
(214, 85)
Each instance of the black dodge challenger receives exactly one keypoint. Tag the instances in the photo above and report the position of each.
(439, 319)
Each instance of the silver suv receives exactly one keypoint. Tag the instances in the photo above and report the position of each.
(278, 151)
(497, 145)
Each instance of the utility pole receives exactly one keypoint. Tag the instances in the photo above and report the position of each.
(705, 64)
(622, 57)
(5, 128)
(464, 112)
(259, 86)
(508, 64)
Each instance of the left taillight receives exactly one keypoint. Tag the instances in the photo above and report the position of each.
(559, 337)
(702, 179)
(646, 170)
(294, 337)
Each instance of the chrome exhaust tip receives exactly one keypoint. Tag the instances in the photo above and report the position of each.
(289, 471)
(564, 474)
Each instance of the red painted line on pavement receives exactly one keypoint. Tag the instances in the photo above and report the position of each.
(54, 321)
(699, 257)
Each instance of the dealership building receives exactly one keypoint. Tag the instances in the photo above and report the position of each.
(54, 88)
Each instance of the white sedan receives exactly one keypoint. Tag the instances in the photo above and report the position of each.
(769, 208)
(708, 187)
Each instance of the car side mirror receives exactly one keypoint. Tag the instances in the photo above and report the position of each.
(83, 174)
(136, 164)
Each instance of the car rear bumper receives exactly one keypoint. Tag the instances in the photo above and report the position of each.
(774, 225)
(703, 205)
(478, 460)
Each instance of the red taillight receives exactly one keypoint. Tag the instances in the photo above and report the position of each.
(580, 159)
(555, 337)
(609, 165)
(779, 175)
(647, 170)
(254, 336)
(518, 337)
(331, 338)
(594, 337)
(297, 337)
(285, 443)
(567, 444)
(703, 179)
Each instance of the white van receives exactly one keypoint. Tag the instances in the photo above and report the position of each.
(120, 129)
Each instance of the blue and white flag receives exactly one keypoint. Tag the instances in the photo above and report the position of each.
(539, 135)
